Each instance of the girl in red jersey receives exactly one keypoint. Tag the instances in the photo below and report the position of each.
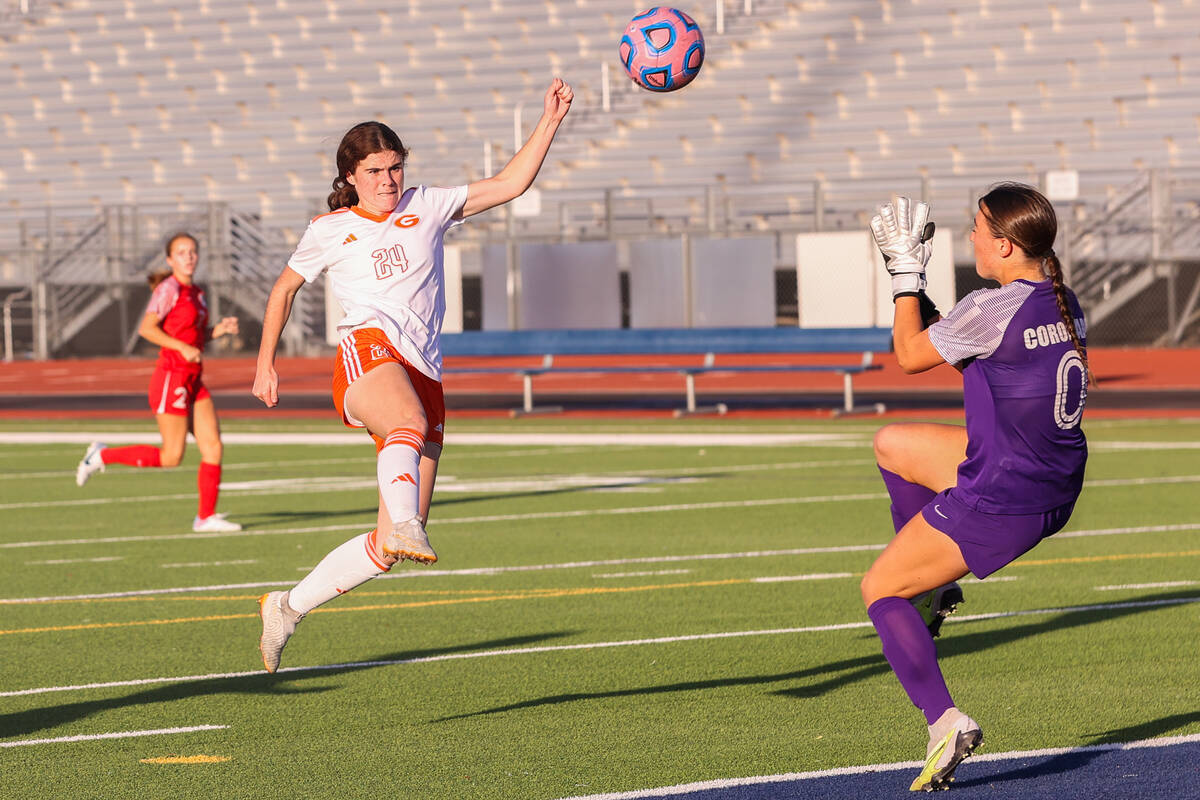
(177, 321)
(380, 246)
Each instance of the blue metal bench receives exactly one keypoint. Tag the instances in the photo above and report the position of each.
(671, 341)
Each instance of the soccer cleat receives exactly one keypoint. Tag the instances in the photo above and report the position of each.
(279, 623)
(90, 465)
(215, 523)
(409, 540)
(937, 604)
(951, 739)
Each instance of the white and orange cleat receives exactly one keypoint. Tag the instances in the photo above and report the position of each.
(90, 464)
(279, 622)
(409, 540)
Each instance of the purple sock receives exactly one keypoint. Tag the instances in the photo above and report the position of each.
(907, 498)
(908, 647)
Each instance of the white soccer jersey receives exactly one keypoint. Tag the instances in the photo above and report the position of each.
(386, 271)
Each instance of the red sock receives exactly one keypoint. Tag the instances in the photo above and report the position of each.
(209, 481)
(135, 455)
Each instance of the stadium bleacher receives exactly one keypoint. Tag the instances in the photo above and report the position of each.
(806, 113)
(161, 102)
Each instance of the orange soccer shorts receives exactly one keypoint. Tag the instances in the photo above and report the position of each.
(365, 349)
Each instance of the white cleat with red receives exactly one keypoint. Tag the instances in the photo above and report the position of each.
(90, 465)
(215, 524)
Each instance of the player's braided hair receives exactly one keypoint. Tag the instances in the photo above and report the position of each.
(364, 139)
(1026, 218)
(158, 276)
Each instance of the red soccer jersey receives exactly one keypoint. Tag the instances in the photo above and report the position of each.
(183, 314)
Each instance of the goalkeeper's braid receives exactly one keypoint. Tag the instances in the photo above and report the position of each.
(1053, 269)
(1026, 218)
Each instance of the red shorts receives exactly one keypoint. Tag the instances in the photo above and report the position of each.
(365, 349)
(175, 392)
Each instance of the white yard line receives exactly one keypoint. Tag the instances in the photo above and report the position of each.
(1158, 585)
(643, 574)
(90, 737)
(281, 487)
(517, 651)
(833, 498)
(499, 570)
(789, 777)
(1121, 446)
(539, 439)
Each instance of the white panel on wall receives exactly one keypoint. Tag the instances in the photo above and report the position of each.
(835, 275)
(843, 283)
(494, 272)
(733, 282)
(656, 284)
(452, 269)
(570, 286)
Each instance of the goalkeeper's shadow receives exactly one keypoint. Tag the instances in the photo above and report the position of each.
(953, 643)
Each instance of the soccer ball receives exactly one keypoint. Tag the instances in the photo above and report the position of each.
(662, 49)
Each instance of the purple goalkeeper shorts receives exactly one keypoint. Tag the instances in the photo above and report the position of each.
(990, 541)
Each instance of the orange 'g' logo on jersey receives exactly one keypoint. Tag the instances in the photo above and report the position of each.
(407, 221)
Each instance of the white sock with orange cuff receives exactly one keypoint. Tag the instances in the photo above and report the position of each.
(350, 564)
(399, 477)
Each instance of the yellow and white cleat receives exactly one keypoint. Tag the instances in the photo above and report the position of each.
(951, 739)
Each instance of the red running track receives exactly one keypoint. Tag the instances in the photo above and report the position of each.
(1167, 373)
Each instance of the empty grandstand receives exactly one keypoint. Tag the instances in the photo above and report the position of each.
(126, 119)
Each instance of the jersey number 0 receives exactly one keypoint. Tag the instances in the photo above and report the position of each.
(1068, 410)
(388, 260)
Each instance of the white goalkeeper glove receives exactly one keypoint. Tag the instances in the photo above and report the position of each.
(902, 233)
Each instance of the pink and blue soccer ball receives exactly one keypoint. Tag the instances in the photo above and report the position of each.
(662, 49)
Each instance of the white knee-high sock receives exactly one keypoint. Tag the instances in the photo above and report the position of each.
(350, 564)
(399, 477)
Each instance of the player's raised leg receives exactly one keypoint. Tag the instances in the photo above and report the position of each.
(172, 428)
(917, 460)
(385, 401)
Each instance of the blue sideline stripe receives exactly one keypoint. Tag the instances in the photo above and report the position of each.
(632, 341)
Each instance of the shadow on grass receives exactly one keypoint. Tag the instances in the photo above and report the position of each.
(842, 673)
(262, 519)
(36, 719)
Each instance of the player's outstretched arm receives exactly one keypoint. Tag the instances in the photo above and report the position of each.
(902, 233)
(279, 308)
(518, 174)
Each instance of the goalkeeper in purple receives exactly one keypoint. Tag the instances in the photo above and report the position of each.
(974, 499)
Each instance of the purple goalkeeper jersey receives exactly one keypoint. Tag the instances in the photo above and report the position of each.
(1024, 390)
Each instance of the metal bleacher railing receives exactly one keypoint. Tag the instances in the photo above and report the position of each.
(1131, 250)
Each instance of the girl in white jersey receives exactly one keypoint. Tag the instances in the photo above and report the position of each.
(381, 245)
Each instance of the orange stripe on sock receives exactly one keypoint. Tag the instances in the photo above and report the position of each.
(370, 543)
(405, 436)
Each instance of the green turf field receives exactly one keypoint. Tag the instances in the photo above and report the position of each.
(604, 617)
